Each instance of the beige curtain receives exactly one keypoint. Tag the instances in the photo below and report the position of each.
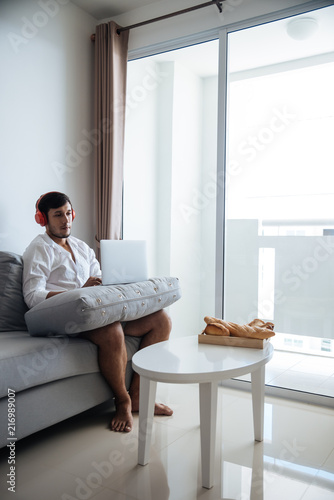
(111, 52)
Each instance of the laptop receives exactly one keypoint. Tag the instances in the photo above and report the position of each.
(123, 261)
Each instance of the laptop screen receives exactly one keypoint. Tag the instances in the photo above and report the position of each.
(123, 261)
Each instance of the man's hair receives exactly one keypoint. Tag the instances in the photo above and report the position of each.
(52, 200)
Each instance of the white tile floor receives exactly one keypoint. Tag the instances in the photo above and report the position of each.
(80, 459)
(300, 372)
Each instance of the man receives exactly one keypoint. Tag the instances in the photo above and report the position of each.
(55, 262)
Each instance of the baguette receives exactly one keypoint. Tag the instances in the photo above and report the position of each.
(256, 329)
(216, 329)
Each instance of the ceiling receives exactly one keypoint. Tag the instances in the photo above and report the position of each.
(248, 47)
(102, 9)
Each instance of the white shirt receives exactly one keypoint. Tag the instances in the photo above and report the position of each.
(49, 267)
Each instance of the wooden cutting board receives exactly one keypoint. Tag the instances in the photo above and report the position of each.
(232, 341)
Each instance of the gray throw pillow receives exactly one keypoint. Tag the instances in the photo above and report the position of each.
(12, 305)
(84, 309)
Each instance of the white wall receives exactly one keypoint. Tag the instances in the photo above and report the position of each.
(46, 105)
(170, 161)
(140, 218)
(209, 189)
(185, 241)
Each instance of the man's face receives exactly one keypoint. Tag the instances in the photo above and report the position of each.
(60, 221)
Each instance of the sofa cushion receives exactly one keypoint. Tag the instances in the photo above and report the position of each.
(84, 309)
(12, 305)
(27, 362)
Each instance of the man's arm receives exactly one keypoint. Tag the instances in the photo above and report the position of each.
(92, 281)
(51, 294)
(36, 270)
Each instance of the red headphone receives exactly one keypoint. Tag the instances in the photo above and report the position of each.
(40, 217)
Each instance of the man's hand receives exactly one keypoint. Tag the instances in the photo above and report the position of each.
(92, 281)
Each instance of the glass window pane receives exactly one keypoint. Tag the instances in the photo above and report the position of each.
(170, 172)
(280, 178)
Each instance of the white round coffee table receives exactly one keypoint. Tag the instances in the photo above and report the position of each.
(185, 361)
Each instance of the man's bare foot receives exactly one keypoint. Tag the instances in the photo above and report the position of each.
(122, 421)
(159, 408)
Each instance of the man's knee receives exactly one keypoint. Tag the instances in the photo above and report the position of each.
(108, 335)
(164, 322)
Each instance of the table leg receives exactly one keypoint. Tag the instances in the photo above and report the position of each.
(208, 393)
(258, 378)
(256, 492)
(148, 389)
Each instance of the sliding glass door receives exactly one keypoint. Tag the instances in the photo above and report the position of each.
(279, 213)
(255, 240)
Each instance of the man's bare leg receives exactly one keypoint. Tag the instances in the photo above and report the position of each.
(153, 329)
(112, 356)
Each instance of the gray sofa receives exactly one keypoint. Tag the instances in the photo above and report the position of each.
(51, 378)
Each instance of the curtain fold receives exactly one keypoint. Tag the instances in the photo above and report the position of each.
(111, 51)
